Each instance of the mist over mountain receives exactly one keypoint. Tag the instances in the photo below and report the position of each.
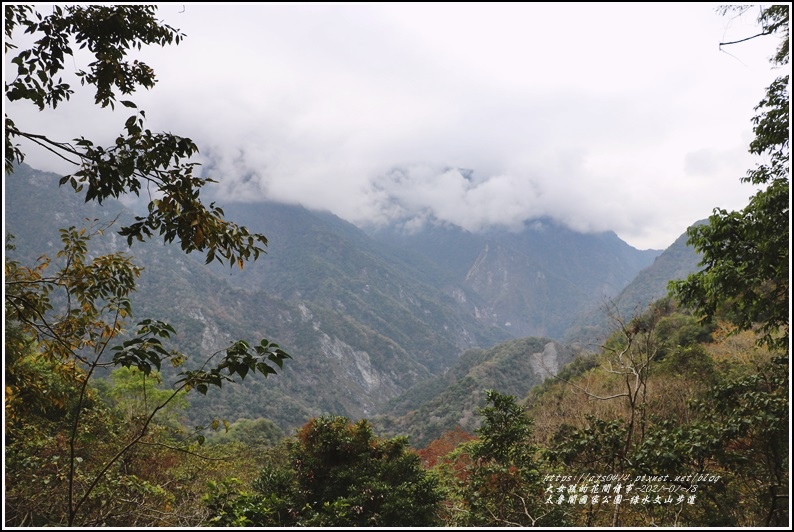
(366, 315)
(528, 281)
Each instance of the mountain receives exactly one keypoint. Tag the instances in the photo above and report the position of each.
(650, 284)
(437, 405)
(317, 260)
(360, 326)
(366, 315)
(532, 282)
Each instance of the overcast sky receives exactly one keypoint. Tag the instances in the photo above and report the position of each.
(622, 117)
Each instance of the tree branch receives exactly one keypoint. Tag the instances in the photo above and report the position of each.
(746, 38)
(43, 141)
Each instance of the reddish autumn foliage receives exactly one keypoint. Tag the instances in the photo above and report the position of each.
(442, 446)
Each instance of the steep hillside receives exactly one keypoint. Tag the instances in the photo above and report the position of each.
(650, 284)
(437, 405)
(330, 266)
(533, 282)
(365, 316)
(361, 329)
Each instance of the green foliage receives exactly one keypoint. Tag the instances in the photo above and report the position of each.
(91, 298)
(69, 323)
(108, 32)
(381, 481)
(741, 435)
(723, 418)
(335, 473)
(230, 506)
(135, 393)
(743, 422)
(37, 462)
(252, 432)
(599, 446)
(62, 327)
(138, 156)
(505, 428)
(35, 385)
(681, 329)
(158, 483)
(745, 254)
(240, 358)
(452, 399)
(691, 361)
(501, 484)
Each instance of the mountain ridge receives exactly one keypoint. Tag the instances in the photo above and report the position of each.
(366, 315)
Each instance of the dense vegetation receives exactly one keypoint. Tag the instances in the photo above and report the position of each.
(698, 410)
(689, 409)
(680, 419)
(438, 405)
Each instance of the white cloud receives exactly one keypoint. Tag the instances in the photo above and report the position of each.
(623, 117)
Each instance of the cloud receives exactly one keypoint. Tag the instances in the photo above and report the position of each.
(622, 117)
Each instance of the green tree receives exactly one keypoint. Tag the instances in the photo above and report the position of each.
(138, 158)
(134, 393)
(251, 432)
(71, 323)
(740, 435)
(335, 473)
(746, 279)
(502, 484)
(745, 254)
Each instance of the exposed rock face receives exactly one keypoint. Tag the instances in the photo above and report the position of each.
(546, 363)
(366, 316)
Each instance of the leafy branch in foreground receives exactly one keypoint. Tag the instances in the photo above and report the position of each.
(70, 319)
(745, 254)
(138, 158)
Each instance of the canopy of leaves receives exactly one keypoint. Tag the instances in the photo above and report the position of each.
(500, 484)
(715, 405)
(69, 323)
(336, 473)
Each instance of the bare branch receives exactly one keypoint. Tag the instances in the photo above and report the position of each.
(763, 33)
(45, 142)
(589, 394)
